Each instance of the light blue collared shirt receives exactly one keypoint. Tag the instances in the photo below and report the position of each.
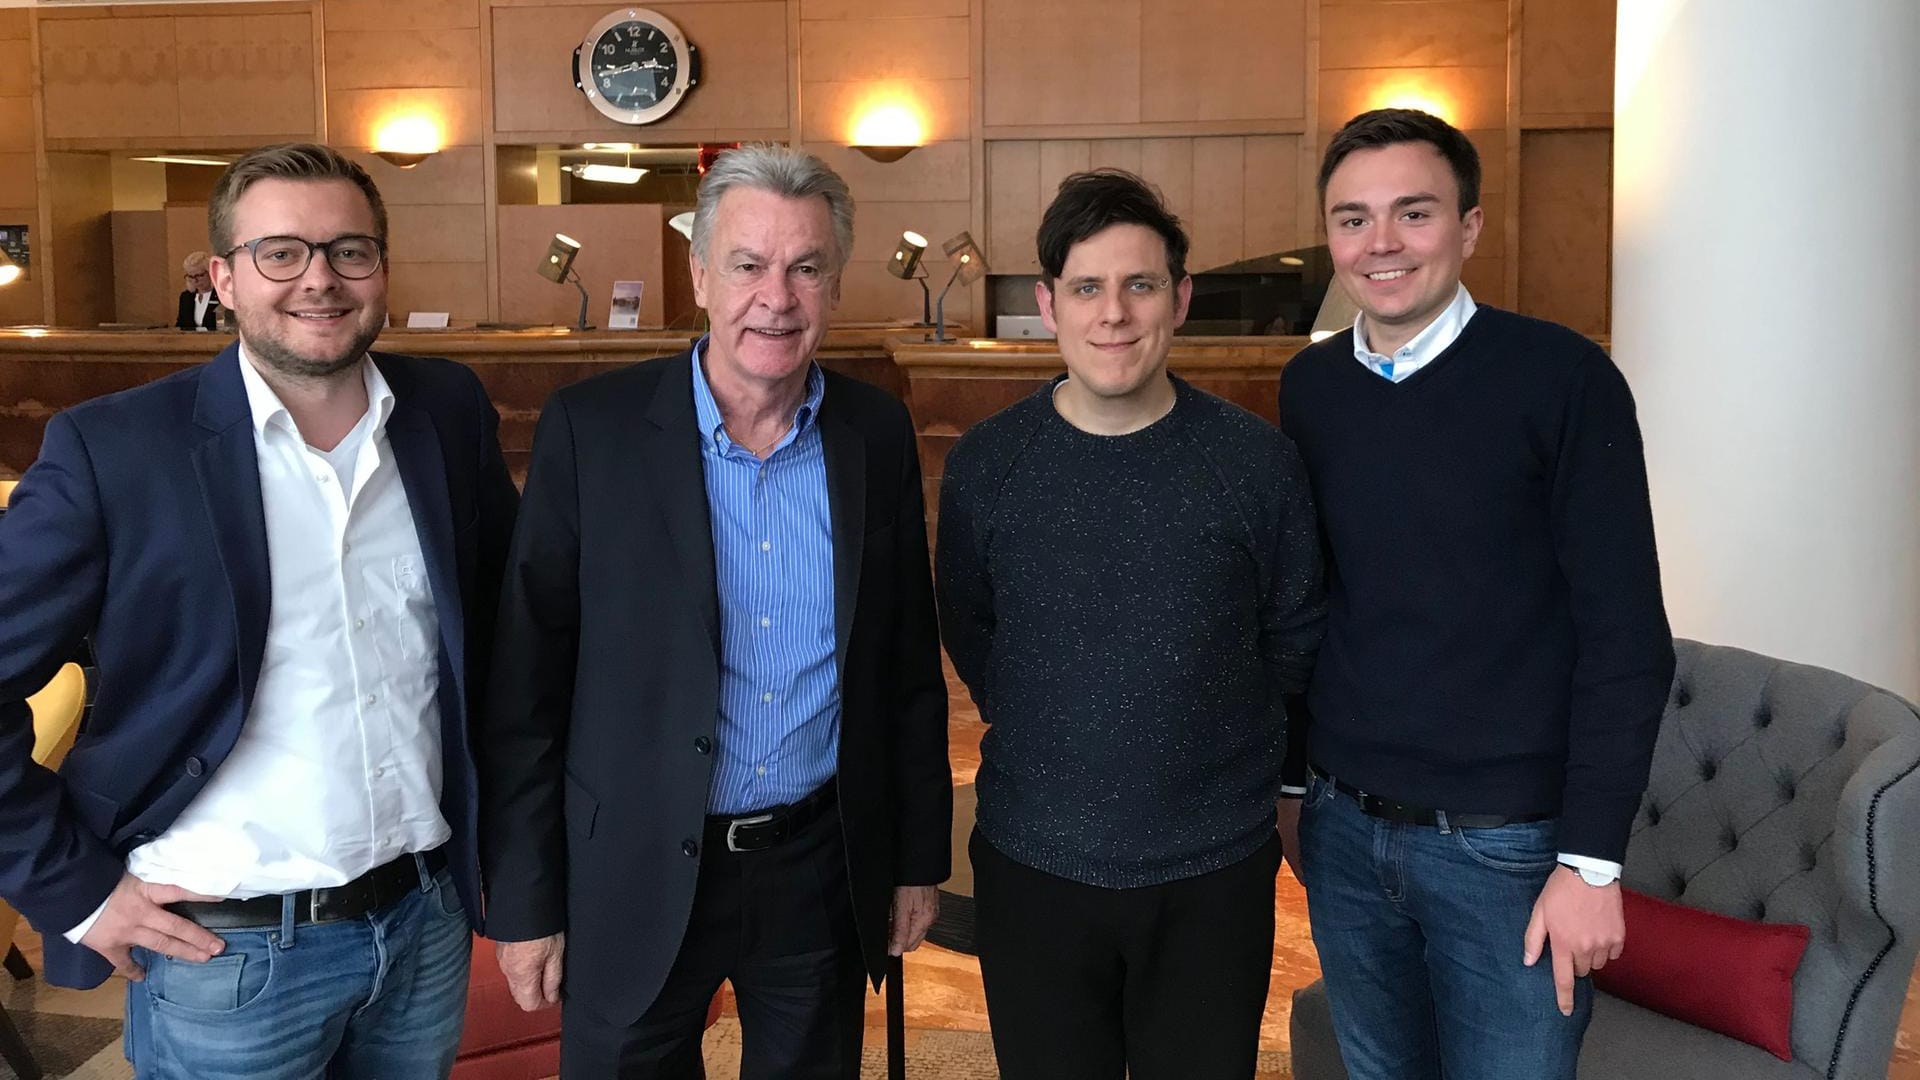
(1426, 344)
(779, 729)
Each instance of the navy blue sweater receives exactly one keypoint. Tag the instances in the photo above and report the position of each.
(1128, 611)
(1496, 640)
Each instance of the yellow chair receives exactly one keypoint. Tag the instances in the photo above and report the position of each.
(57, 710)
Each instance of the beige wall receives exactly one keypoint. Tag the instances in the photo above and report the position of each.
(1223, 103)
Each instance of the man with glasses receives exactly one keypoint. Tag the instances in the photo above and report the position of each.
(288, 559)
(1129, 580)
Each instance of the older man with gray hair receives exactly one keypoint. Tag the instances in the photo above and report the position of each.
(716, 744)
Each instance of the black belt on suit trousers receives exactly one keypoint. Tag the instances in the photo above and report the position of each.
(364, 895)
(758, 832)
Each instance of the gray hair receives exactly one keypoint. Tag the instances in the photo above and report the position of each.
(781, 170)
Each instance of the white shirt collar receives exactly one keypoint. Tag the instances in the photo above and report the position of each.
(267, 408)
(1427, 344)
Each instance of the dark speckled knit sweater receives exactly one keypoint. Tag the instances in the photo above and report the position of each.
(1127, 612)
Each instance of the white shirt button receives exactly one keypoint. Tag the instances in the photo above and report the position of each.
(761, 771)
(346, 548)
(323, 478)
(359, 624)
(765, 622)
(371, 698)
(768, 696)
(380, 771)
(766, 545)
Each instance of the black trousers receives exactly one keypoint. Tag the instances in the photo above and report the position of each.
(1166, 982)
(778, 924)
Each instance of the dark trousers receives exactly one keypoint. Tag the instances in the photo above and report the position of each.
(1166, 982)
(777, 924)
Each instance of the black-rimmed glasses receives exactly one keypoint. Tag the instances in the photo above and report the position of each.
(284, 258)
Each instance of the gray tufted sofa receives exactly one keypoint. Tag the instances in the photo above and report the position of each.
(1779, 792)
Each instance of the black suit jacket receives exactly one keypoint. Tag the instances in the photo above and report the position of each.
(183, 318)
(608, 674)
(142, 525)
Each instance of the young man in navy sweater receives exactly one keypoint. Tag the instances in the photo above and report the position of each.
(1497, 657)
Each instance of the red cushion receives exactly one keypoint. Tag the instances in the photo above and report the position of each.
(1713, 971)
(494, 1022)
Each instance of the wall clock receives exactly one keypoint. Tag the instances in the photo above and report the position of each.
(635, 66)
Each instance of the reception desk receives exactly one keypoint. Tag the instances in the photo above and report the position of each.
(45, 370)
(952, 386)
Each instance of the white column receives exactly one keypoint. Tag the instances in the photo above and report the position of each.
(1766, 296)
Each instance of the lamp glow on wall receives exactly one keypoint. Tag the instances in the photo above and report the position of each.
(557, 267)
(407, 140)
(10, 271)
(888, 130)
(1410, 94)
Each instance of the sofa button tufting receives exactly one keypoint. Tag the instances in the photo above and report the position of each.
(1762, 719)
(1730, 840)
(1653, 814)
(1707, 769)
(1682, 698)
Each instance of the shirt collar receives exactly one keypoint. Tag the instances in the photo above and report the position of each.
(707, 410)
(1428, 343)
(267, 408)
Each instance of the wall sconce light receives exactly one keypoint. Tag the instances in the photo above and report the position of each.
(888, 133)
(969, 266)
(10, 271)
(905, 265)
(557, 267)
(406, 141)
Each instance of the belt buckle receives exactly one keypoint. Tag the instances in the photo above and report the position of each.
(734, 827)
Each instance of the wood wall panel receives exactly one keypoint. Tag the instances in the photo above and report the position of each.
(1061, 62)
(1013, 206)
(939, 172)
(1168, 165)
(353, 116)
(186, 229)
(1223, 60)
(829, 110)
(401, 57)
(107, 76)
(459, 289)
(16, 124)
(18, 184)
(246, 75)
(82, 243)
(1217, 222)
(431, 233)
(145, 288)
(16, 68)
(1566, 59)
(357, 15)
(866, 48)
(1270, 205)
(622, 243)
(1566, 233)
(456, 175)
(1463, 33)
(743, 50)
(847, 9)
(14, 25)
(1059, 159)
(1123, 154)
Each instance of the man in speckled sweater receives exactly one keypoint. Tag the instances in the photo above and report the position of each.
(1129, 579)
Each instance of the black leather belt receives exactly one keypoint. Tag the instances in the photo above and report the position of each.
(758, 832)
(1389, 810)
(362, 896)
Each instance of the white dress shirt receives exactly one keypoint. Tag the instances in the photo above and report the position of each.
(337, 767)
(1430, 342)
(1425, 345)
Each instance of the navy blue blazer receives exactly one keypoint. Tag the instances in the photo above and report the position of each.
(142, 525)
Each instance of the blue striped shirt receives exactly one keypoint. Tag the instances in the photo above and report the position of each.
(779, 731)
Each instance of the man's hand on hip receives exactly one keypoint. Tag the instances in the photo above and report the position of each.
(1583, 925)
(1287, 813)
(914, 908)
(532, 969)
(135, 915)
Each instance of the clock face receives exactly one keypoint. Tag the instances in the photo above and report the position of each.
(635, 65)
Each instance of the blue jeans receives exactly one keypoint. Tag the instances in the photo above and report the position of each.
(1420, 932)
(381, 996)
